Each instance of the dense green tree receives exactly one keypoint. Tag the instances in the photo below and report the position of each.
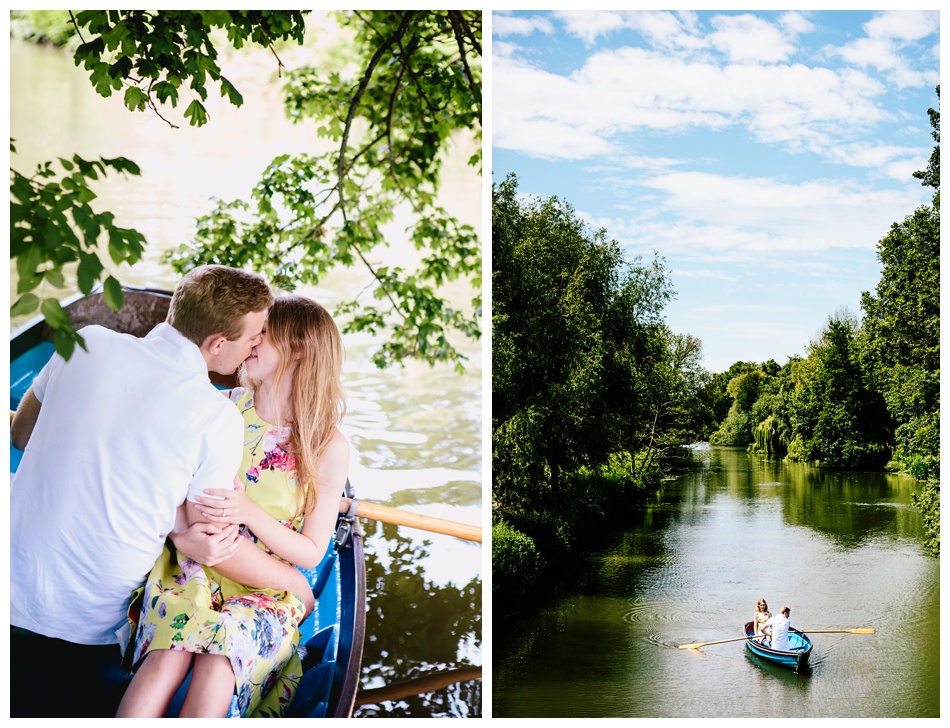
(411, 85)
(574, 344)
(591, 391)
(742, 391)
(836, 418)
(719, 390)
(901, 328)
(901, 339)
(676, 396)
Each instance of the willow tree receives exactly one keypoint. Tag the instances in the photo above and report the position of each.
(411, 88)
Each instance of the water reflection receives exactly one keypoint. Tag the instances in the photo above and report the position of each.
(416, 628)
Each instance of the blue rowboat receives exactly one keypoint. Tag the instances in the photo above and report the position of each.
(333, 634)
(795, 658)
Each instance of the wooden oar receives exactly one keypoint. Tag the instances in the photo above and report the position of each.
(860, 630)
(388, 514)
(418, 686)
(697, 645)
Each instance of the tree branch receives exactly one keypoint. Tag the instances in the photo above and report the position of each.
(354, 103)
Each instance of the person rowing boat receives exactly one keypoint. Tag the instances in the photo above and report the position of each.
(776, 629)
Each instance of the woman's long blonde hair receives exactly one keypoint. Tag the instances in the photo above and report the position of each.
(303, 332)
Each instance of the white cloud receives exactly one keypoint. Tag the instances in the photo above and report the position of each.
(890, 35)
(668, 30)
(622, 90)
(504, 25)
(751, 39)
(903, 25)
(534, 113)
(795, 23)
(731, 218)
(589, 24)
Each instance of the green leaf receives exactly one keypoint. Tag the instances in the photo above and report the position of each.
(112, 293)
(233, 95)
(135, 99)
(27, 303)
(196, 113)
(55, 277)
(28, 262)
(53, 313)
(63, 344)
(165, 91)
(88, 272)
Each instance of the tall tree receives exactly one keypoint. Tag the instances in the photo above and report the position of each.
(836, 417)
(902, 339)
(901, 334)
(573, 339)
(411, 87)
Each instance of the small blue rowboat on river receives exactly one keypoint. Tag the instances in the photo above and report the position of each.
(796, 657)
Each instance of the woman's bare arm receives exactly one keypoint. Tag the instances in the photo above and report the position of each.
(255, 568)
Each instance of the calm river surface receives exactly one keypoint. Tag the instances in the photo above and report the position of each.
(841, 549)
(415, 432)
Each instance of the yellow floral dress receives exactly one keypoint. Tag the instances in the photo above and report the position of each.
(187, 606)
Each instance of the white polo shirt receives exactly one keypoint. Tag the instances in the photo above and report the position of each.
(126, 431)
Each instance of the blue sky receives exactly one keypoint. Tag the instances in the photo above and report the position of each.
(762, 154)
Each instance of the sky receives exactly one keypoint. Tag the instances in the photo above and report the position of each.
(761, 154)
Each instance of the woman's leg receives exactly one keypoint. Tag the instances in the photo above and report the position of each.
(155, 683)
(211, 688)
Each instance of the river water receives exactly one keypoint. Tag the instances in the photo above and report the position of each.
(415, 431)
(841, 549)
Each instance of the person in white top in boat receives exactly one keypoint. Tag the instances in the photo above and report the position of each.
(114, 441)
(777, 629)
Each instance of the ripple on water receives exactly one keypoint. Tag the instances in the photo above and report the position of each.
(661, 614)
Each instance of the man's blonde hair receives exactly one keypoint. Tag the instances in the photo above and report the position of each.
(214, 299)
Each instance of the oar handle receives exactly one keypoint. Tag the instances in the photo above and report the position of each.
(860, 630)
(388, 514)
(697, 645)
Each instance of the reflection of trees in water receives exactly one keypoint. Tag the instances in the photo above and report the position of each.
(415, 628)
(848, 506)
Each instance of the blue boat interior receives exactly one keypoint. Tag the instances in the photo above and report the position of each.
(796, 643)
(320, 632)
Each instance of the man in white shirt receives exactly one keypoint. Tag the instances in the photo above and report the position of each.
(777, 629)
(114, 440)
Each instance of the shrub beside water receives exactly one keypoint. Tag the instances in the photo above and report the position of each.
(516, 568)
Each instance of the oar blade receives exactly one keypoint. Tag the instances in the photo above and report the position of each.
(863, 630)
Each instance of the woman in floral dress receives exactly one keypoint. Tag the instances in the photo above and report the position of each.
(240, 641)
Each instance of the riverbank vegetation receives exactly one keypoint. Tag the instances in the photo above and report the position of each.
(590, 389)
(593, 395)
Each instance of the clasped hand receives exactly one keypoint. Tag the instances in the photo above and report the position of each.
(221, 505)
